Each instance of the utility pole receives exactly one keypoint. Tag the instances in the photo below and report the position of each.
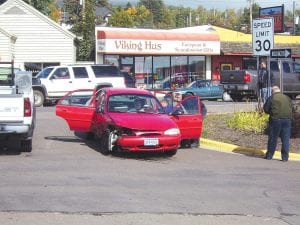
(294, 18)
(250, 9)
(82, 2)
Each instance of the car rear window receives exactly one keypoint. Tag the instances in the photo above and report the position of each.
(106, 71)
(6, 76)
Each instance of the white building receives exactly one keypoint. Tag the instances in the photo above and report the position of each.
(31, 39)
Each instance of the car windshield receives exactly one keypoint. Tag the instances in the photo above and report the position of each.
(134, 103)
(44, 73)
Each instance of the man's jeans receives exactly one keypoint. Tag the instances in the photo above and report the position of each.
(264, 94)
(279, 128)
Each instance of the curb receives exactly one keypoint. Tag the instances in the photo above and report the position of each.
(230, 148)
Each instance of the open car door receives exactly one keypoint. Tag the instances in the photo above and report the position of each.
(77, 108)
(188, 116)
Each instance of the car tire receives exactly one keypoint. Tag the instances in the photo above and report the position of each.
(107, 141)
(38, 98)
(26, 145)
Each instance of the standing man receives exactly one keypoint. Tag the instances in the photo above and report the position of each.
(279, 108)
(262, 82)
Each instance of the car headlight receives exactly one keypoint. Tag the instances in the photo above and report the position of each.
(172, 131)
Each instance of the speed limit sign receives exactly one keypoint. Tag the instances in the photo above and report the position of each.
(262, 36)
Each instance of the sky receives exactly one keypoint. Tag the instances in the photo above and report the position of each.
(221, 4)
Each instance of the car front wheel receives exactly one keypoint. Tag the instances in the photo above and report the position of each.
(108, 141)
(38, 98)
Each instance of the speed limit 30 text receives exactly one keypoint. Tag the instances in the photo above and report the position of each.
(261, 26)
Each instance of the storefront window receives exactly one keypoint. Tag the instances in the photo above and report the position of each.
(196, 68)
(143, 71)
(127, 64)
(161, 72)
(111, 59)
(179, 71)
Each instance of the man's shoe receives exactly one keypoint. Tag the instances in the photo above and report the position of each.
(284, 160)
(268, 158)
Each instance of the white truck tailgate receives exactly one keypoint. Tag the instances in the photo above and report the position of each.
(11, 108)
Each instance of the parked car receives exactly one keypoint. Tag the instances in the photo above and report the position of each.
(130, 119)
(206, 89)
(129, 79)
(54, 82)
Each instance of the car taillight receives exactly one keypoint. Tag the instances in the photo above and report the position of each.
(27, 107)
(247, 78)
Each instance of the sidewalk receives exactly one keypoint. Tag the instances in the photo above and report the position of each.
(224, 147)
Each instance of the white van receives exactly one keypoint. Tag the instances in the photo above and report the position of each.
(54, 82)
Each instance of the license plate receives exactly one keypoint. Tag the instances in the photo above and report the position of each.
(150, 141)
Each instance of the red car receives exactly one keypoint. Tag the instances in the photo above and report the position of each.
(130, 119)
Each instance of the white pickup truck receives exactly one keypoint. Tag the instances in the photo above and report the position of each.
(17, 111)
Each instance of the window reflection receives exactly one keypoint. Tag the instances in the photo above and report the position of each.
(161, 72)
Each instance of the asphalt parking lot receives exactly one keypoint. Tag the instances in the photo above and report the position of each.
(66, 180)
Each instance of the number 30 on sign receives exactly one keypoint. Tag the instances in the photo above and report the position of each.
(262, 36)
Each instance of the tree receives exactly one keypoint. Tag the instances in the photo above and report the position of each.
(86, 48)
(156, 7)
(121, 18)
(245, 22)
(55, 12)
(40, 5)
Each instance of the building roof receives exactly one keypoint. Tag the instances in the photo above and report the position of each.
(34, 11)
(238, 43)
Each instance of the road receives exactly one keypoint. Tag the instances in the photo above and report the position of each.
(66, 180)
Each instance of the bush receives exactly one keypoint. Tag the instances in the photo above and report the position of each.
(255, 122)
(296, 120)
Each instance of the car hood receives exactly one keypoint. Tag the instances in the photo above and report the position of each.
(143, 121)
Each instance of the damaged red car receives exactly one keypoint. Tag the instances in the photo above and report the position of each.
(130, 119)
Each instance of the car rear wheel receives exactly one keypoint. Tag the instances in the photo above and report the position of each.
(26, 145)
